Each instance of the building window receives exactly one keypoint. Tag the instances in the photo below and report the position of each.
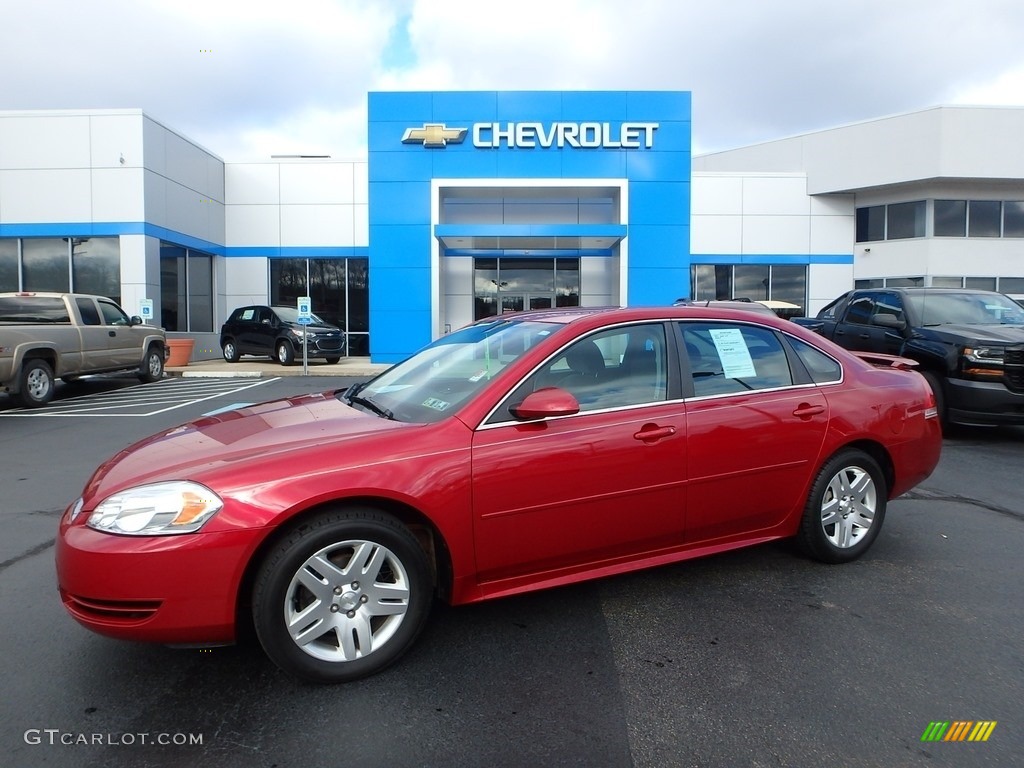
(339, 291)
(63, 264)
(950, 218)
(756, 282)
(871, 223)
(9, 265)
(1013, 218)
(506, 284)
(905, 220)
(186, 289)
(983, 218)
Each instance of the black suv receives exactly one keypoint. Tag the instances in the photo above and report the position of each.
(277, 332)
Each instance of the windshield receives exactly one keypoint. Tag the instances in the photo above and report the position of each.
(291, 315)
(967, 309)
(436, 380)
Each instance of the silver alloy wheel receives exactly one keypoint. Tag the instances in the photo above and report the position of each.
(848, 506)
(229, 351)
(156, 365)
(37, 384)
(346, 601)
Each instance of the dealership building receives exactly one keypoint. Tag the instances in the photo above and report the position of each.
(473, 204)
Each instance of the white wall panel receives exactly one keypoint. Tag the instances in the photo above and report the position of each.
(113, 137)
(45, 196)
(317, 225)
(716, 194)
(247, 277)
(252, 183)
(252, 225)
(599, 278)
(361, 225)
(44, 141)
(776, 234)
(361, 183)
(775, 195)
(317, 183)
(186, 163)
(118, 194)
(832, 234)
(826, 282)
(716, 234)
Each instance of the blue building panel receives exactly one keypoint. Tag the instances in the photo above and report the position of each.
(399, 202)
(659, 202)
(595, 105)
(402, 307)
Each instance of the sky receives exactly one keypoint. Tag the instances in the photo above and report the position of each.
(247, 79)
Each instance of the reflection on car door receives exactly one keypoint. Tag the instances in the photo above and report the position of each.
(602, 484)
(95, 349)
(752, 436)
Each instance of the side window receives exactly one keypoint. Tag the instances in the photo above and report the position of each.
(822, 368)
(889, 304)
(264, 316)
(87, 309)
(112, 315)
(726, 358)
(612, 369)
(861, 309)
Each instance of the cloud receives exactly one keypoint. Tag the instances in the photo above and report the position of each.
(248, 78)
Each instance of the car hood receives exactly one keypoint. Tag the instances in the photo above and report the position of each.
(259, 433)
(315, 327)
(1001, 334)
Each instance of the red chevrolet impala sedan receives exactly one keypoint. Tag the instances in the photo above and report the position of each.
(522, 452)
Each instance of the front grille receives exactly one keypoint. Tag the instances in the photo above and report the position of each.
(330, 345)
(1013, 373)
(111, 611)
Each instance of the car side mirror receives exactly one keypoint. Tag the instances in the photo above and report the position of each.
(545, 403)
(888, 321)
(134, 320)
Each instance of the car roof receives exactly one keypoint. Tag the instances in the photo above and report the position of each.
(609, 315)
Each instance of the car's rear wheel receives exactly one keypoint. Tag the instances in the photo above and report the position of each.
(285, 353)
(342, 596)
(153, 365)
(36, 385)
(845, 508)
(230, 351)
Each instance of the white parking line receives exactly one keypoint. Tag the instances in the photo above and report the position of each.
(152, 399)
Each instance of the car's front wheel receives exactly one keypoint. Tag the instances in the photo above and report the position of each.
(285, 353)
(153, 365)
(230, 351)
(342, 596)
(845, 508)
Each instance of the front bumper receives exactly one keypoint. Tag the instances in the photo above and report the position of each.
(983, 402)
(169, 589)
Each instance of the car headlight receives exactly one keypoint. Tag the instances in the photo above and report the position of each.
(300, 334)
(993, 355)
(156, 510)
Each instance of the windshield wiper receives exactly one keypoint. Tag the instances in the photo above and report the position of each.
(367, 402)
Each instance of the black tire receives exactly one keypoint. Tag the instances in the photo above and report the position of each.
(332, 360)
(285, 354)
(230, 351)
(35, 385)
(386, 610)
(152, 365)
(845, 508)
(935, 382)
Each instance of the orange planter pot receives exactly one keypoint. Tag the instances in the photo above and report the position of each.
(181, 352)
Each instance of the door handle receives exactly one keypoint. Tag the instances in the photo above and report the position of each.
(806, 410)
(112, 333)
(651, 432)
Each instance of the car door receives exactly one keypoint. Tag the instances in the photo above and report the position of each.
(602, 484)
(94, 334)
(124, 343)
(754, 430)
(857, 331)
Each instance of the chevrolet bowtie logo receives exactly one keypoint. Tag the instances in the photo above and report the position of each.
(434, 135)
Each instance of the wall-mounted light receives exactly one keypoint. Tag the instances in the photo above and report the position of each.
(867, 250)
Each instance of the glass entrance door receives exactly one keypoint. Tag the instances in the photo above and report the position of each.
(519, 302)
(506, 284)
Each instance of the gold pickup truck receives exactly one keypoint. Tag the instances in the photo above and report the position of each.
(67, 335)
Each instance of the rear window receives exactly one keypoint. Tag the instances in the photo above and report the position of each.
(33, 309)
